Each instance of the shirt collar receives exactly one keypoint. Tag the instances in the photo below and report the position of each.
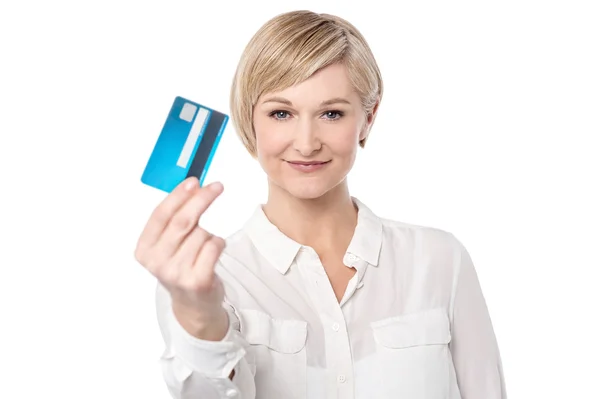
(280, 250)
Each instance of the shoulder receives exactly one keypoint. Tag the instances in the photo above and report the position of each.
(427, 245)
(424, 236)
(421, 238)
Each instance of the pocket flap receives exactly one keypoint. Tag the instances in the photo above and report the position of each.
(430, 327)
(280, 335)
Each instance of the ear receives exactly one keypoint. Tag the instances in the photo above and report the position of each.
(368, 122)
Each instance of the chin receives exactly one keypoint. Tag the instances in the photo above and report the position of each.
(309, 189)
(307, 193)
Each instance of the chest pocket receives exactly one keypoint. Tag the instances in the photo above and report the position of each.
(277, 351)
(413, 354)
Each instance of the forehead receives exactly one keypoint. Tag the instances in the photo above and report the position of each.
(330, 82)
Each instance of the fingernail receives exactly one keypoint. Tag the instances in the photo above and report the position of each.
(190, 184)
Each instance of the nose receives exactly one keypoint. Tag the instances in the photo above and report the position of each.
(306, 138)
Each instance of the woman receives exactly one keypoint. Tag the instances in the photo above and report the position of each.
(316, 296)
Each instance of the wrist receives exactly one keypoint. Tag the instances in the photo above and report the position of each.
(211, 325)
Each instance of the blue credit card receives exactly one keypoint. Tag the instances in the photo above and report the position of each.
(186, 145)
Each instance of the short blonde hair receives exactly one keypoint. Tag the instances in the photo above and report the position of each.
(290, 48)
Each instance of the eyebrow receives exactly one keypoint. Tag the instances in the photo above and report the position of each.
(336, 100)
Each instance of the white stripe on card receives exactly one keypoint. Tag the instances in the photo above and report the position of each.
(192, 138)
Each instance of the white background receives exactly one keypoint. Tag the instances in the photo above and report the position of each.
(488, 128)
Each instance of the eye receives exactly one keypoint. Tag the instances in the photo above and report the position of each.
(333, 115)
(279, 115)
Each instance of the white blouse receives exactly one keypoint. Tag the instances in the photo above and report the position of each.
(412, 324)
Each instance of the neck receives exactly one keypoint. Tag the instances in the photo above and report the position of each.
(323, 223)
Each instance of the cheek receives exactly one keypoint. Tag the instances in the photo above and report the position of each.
(344, 143)
(269, 144)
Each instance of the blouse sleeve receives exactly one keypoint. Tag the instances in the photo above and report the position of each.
(474, 347)
(193, 368)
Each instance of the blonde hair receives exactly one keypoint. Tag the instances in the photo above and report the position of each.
(289, 49)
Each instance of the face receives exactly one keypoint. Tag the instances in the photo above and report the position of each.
(307, 136)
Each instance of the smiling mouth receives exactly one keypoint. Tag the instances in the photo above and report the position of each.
(311, 163)
(308, 166)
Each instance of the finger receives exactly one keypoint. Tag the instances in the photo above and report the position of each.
(187, 217)
(186, 254)
(163, 213)
(203, 272)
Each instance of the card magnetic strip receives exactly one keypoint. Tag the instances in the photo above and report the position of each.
(208, 139)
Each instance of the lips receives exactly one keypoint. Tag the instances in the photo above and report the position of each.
(307, 166)
(302, 163)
